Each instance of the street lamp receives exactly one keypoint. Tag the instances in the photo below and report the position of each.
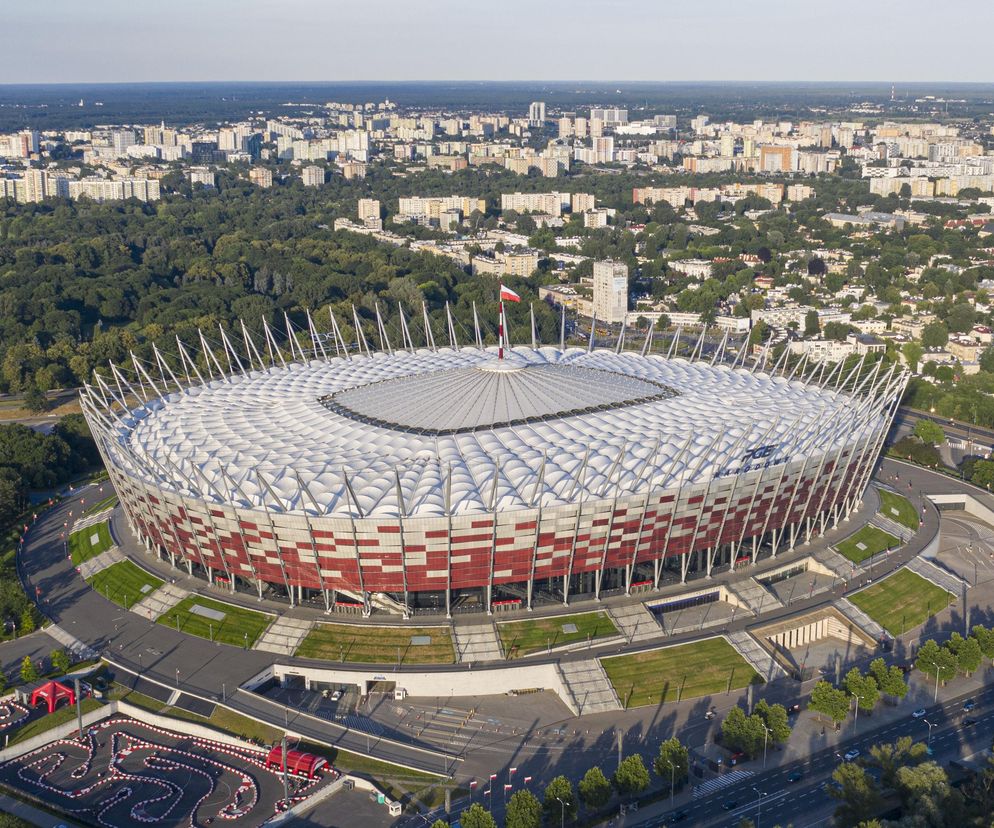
(928, 744)
(562, 812)
(759, 804)
(766, 735)
(935, 698)
(672, 779)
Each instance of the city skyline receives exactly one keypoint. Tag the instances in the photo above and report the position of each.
(555, 41)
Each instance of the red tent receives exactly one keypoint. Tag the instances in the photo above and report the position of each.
(51, 692)
(297, 762)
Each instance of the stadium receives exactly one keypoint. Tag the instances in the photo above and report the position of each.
(449, 478)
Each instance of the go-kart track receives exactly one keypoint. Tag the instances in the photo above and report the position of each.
(125, 773)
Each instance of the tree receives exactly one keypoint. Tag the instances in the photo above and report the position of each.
(935, 335)
(60, 660)
(3, 681)
(774, 716)
(29, 672)
(829, 701)
(862, 688)
(523, 811)
(890, 680)
(912, 353)
(816, 266)
(969, 657)
(859, 798)
(925, 791)
(929, 432)
(673, 763)
(758, 333)
(985, 638)
(936, 661)
(891, 757)
(983, 473)
(595, 790)
(476, 816)
(440, 823)
(558, 789)
(741, 732)
(27, 621)
(812, 325)
(631, 777)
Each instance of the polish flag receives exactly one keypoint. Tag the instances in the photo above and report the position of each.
(493, 776)
(528, 779)
(508, 295)
(512, 771)
(508, 787)
(472, 784)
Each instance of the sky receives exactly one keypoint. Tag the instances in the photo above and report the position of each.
(67, 41)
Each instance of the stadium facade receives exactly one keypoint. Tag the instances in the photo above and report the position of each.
(444, 477)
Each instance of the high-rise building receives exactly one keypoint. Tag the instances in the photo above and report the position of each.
(536, 114)
(370, 214)
(261, 177)
(609, 117)
(610, 291)
(122, 139)
(312, 176)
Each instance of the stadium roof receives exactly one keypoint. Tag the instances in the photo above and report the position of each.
(420, 434)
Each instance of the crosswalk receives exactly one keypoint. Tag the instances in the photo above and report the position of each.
(721, 782)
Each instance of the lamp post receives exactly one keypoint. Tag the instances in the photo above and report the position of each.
(759, 804)
(928, 744)
(562, 812)
(177, 676)
(935, 698)
(766, 735)
(672, 779)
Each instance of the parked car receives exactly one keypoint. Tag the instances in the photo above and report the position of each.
(736, 757)
(710, 714)
(852, 753)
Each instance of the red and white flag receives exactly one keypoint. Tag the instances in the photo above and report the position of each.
(472, 784)
(493, 776)
(511, 771)
(508, 295)
(508, 787)
(527, 779)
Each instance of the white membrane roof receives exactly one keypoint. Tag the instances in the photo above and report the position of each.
(269, 438)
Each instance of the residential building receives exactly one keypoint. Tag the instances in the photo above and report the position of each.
(261, 177)
(312, 176)
(536, 114)
(610, 291)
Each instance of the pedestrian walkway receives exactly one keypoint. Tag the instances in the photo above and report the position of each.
(34, 816)
(635, 622)
(760, 659)
(839, 565)
(938, 575)
(721, 782)
(159, 602)
(859, 618)
(71, 643)
(284, 635)
(89, 568)
(892, 527)
(588, 685)
(476, 642)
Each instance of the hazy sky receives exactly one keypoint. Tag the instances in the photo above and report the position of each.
(329, 40)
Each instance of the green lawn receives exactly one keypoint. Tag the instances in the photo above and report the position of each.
(232, 629)
(902, 601)
(47, 721)
(898, 508)
(873, 540)
(687, 671)
(521, 638)
(100, 505)
(82, 547)
(124, 583)
(361, 643)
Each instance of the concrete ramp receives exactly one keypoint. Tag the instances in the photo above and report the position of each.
(635, 622)
(589, 687)
(938, 575)
(859, 618)
(752, 596)
(757, 656)
(71, 643)
(892, 527)
(476, 642)
(159, 602)
(284, 635)
(108, 557)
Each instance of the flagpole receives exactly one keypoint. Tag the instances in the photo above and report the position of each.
(500, 331)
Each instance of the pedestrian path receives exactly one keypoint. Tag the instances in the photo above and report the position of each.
(938, 575)
(760, 659)
(108, 557)
(721, 782)
(635, 622)
(71, 643)
(159, 602)
(859, 618)
(284, 635)
(839, 565)
(476, 642)
(892, 527)
(588, 685)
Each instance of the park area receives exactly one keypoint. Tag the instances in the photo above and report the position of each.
(216, 621)
(521, 638)
(124, 583)
(902, 601)
(898, 508)
(867, 542)
(687, 671)
(124, 772)
(378, 645)
(89, 542)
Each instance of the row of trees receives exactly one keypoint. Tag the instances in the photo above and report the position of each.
(751, 734)
(957, 655)
(561, 803)
(859, 691)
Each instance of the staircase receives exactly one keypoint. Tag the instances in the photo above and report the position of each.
(589, 687)
(760, 660)
(476, 642)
